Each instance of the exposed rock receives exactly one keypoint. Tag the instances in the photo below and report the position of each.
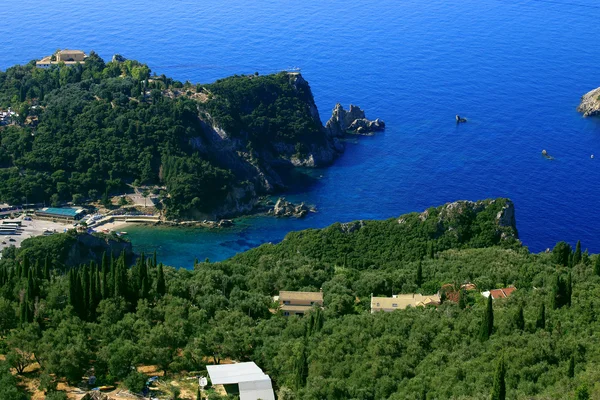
(284, 208)
(352, 121)
(353, 226)
(505, 218)
(460, 120)
(95, 395)
(590, 103)
(118, 58)
(91, 247)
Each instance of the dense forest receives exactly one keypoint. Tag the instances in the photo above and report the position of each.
(108, 317)
(86, 131)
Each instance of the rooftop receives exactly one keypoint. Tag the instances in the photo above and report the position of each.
(403, 301)
(253, 383)
(65, 212)
(499, 293)
(309, 296)
(235, 373)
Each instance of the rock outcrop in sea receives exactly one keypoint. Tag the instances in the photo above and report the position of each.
(352, 121)
(590, 103)
(284, 208)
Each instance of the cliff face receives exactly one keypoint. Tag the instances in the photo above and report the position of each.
(258, 159)
(258, 127)
(590, 103)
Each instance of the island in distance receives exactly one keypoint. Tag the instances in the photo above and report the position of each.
(83, 129)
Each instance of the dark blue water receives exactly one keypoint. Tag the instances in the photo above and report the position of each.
(515, 69)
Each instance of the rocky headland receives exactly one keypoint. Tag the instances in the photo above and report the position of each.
(590, 103)
(260, 167)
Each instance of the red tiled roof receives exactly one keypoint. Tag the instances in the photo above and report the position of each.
(502, 293)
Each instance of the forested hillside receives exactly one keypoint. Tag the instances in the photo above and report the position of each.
(86, 131)
(540, 343)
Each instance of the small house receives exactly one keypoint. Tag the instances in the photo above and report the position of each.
(403, 301)
(298, 303)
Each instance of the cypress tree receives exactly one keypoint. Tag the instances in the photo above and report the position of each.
(487, 323)
(569, 289)
(597, 266)
(300, 368)
(24, 268)
(144, 289)
(46, 269)
(161, 287)
(199, 395)
(23, 317)
(105, 288)
(462, 301)
(419, 280)
(499, 388)
(38, 270)
(30, 285)
(520, 319)
(571, 367)
(91, 306)
(540, 322)
(577, 253)
(154, 259)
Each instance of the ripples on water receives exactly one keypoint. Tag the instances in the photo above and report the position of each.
(515, 69)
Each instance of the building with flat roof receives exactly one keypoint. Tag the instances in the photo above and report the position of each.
(244, 379)
(68, 57)
(298, 303)
(68, 214)
(403, 301)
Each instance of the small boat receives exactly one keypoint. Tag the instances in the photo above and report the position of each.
(122, 233)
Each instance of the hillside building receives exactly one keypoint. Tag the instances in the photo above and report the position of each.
(245, 380)
(68, 57)
(298, 303)
(403, 301)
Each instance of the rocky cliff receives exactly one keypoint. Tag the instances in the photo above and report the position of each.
(72, 248)
(590, 103)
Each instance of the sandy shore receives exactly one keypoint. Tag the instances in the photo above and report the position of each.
(116, 226)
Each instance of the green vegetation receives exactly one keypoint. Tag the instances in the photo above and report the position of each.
(113, 318)
(87, 131)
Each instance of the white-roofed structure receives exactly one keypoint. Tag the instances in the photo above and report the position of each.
(252, 382)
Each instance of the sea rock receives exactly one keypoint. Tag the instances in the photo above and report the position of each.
(352, 121)
(590, 103)
(284, 208)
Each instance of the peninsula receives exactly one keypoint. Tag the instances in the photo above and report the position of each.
(84, 130)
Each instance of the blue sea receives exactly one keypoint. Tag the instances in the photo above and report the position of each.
(515, 69)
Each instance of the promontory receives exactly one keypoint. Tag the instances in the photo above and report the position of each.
(85, 130)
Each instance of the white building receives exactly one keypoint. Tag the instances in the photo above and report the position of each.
(252, 383)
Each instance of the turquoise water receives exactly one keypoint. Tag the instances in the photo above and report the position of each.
(515, 69)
